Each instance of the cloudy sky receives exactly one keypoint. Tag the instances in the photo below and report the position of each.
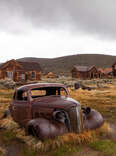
(54, 28)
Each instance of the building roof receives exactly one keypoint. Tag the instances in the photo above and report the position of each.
(107, 70)
(11, 62)
(83, 68)
(101, 70)
(29, 66)
(51, 75)
(26, 66)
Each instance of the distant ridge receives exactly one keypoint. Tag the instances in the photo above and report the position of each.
(64, 64)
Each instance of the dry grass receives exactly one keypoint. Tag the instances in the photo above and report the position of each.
(102, 100)
(9, 124)
(37, 145)
(105, 130)
(2, 151)
(51, 144)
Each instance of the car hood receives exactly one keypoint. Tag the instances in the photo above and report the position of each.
(56, 102)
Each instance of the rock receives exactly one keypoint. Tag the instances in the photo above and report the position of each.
(7, 83)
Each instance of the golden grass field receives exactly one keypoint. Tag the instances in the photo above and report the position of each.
(100, 142)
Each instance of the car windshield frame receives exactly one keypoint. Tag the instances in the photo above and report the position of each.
(50, 91)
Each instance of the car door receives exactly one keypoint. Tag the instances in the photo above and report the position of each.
(21, 107)
(40, 103)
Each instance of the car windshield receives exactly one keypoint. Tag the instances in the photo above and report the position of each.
(48, 91)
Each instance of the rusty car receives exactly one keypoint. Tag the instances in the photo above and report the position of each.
(45, 110)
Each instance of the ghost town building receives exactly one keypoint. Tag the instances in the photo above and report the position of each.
(20, 71)
(85, 72)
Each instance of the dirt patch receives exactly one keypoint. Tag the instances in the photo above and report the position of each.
(88, 152)
(112, 134)
(13, 150)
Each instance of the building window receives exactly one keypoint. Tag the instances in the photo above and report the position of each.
(10, 74)
(92, 75)
(22, 76)
(33, 75)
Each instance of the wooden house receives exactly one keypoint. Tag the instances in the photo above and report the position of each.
(114, 69)
(101, 72)
(51, 75)
(20, 71)
(105, 73)
(85, 72)
(108, 72)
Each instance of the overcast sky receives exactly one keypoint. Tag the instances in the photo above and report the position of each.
(54, 28)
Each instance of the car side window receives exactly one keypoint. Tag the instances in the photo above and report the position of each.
(21, 95)
(62, 92)
(38, 93)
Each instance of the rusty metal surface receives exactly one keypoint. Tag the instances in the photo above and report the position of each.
(40, 85)
(92, 120)
(47, 129)
(39, 113)
(55, 102)
(23, 111)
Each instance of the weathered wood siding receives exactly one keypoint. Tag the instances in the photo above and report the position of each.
(93, 73)
(16, 72)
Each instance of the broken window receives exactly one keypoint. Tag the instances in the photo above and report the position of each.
(48, 91)
(10, 74)
(62, 92)
(37, 93)
(22, 76)
(33, 75)
(21, 95)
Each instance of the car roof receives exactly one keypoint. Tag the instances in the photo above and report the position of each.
(40, 85)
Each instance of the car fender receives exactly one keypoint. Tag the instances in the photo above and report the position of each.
(92, 120)
(46, 128)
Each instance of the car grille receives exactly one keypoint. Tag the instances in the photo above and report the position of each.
(75, 119)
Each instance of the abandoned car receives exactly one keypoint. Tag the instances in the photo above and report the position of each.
(46, 111)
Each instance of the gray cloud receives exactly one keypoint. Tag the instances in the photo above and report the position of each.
(90, 16)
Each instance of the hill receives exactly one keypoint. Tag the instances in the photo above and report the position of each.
(64, 64)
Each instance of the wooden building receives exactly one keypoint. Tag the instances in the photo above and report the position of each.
(51, 75)
(105, 73)
(114, 69)
(108, 72)
(85, 72)
(101, 72)
(20, 71)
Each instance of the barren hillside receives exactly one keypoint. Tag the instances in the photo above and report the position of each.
(64, 64)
